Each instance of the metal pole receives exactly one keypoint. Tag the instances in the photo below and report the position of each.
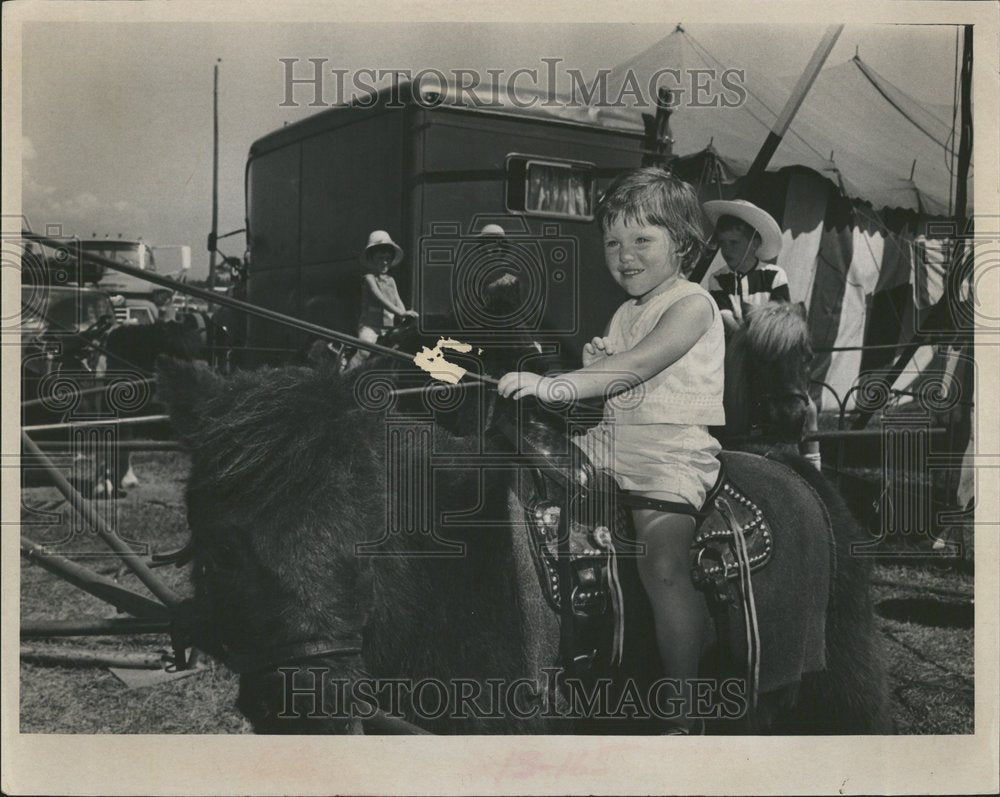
(93, 626)
(82, 657)
(129, 557)
(41, 427)
(93, 583)
(965, 142)
(93, 390)
(63, 446)
(215, 176)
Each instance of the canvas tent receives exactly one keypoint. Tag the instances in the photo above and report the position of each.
(862, 186)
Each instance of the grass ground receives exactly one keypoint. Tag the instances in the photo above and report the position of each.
(56, 699)
(930, 666)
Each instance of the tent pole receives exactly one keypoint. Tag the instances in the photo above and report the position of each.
(778, 130)
(965, 142)
(784, 119)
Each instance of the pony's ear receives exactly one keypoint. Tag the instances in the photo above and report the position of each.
(185, 387)
(800, 309)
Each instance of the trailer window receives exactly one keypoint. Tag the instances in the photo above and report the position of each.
(550, 188)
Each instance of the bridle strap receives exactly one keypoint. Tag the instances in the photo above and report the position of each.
(271, 658)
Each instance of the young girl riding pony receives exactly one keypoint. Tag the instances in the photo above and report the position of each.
(667, 345)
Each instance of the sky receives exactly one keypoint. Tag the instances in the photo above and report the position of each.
(117, 118)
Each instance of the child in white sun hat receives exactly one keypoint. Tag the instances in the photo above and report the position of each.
(380, 300)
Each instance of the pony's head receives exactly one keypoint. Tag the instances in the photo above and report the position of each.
(767, 371)
(299, 584)
(286, 472)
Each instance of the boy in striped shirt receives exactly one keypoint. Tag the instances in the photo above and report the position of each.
(747, 235)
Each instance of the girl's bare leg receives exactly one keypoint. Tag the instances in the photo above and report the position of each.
(677, 605)
(368, 335)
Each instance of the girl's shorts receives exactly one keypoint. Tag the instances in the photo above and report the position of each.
(368, 334)
(678, 462)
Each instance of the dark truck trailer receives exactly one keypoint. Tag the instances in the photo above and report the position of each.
(432, 177)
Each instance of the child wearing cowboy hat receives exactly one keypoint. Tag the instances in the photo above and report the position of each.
(746, 236)
(380, 300)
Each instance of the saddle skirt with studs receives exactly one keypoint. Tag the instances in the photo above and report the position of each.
(580, 527)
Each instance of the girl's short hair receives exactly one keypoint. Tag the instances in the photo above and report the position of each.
(652, 196)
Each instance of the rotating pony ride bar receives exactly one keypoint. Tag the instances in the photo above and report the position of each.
(91, 391)
(100, 422)
(92, 583)
(172, 611)
(129, 557)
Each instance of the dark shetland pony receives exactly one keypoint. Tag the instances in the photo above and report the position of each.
(767, 374)
(289, 476)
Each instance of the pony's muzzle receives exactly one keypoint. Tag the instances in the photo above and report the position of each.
(788, 416)
(311, 697)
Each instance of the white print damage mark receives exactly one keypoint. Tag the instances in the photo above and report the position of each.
(434, 363)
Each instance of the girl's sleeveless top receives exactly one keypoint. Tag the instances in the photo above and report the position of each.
(373, 314)
(687, 392)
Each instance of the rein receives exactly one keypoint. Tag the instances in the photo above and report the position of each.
(440, 387)
(278, 655)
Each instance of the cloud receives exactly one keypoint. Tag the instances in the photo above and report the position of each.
(81, 213)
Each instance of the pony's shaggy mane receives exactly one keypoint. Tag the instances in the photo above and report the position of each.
(776, 329)
(253, 425)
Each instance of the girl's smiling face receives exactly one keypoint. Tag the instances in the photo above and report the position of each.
(642, 257)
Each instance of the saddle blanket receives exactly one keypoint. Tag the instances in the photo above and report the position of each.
(792, 592)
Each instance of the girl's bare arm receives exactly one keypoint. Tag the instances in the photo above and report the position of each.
(675, 333)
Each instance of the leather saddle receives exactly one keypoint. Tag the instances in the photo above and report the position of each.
(714, 557)
(578, 522)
